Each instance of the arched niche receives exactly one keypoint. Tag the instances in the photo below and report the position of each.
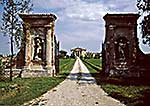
(121, 49)
(38, 49)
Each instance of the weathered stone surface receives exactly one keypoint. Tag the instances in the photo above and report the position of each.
(121, 54)
(38, 52)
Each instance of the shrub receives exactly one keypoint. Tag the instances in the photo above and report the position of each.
(1, 70)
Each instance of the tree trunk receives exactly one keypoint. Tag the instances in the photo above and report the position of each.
(11, 60)
(11, 39)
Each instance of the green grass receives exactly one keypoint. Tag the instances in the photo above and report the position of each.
(21, 90)
(131, 95)
(128, 91)
(66, 65)
(96, 62)
(91, 69)
(93, 65)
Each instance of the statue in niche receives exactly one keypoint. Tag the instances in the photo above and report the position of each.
(122, 49)
(37, 49)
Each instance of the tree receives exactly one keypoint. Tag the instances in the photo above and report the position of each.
(1, 69)
(144, 9)
(12, 24)
(62, 54)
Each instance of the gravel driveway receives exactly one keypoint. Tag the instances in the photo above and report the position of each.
(79, 89)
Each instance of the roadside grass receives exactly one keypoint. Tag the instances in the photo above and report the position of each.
(131, 95)
(96, 62)
(90, 68)
(20, 90)
(66, 66)
(131, 92)
(94, 65)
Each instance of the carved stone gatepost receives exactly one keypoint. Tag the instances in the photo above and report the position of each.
(120, 45)
(39, 46)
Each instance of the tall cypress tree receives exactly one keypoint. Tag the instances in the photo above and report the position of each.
(12, 24)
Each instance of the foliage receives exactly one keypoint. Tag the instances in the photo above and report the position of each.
(146, 30)
(89, 55)
(72, 55)
(1, 70)
(11, 23)
(144, 9)
(62, 54)
(143, 5)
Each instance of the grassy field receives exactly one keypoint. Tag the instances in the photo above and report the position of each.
(96, 62)
(127, 91)
(66, 65)
(131, 95)
(94, 65)
(21, 90)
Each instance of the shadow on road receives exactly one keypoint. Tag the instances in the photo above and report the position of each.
(80, 76)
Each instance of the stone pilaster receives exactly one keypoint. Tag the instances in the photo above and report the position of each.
(41, 27)
(53, 51)
(28, 50)
(48, 49)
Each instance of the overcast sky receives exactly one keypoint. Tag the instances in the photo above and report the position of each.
(80, 22)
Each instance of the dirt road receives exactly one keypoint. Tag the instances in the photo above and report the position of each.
(79, 89)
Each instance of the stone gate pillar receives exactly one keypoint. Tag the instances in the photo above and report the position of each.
(120, 44)
(39, 43)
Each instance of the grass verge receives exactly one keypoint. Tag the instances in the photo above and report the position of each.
(96, 62)
(94, 65)
(129, 91)
(66, 66)
(21, 90)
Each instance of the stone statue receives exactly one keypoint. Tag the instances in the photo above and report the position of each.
(37, 49)
(121, 49)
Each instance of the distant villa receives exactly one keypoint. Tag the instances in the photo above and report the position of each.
(80, 52)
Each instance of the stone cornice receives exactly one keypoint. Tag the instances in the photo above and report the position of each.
(38, 16)
(120, 16)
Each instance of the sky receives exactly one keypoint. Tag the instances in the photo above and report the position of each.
(80, 22)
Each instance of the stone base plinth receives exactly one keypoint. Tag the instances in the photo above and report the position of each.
(34, 73)
(16, 73)
(51, 70)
